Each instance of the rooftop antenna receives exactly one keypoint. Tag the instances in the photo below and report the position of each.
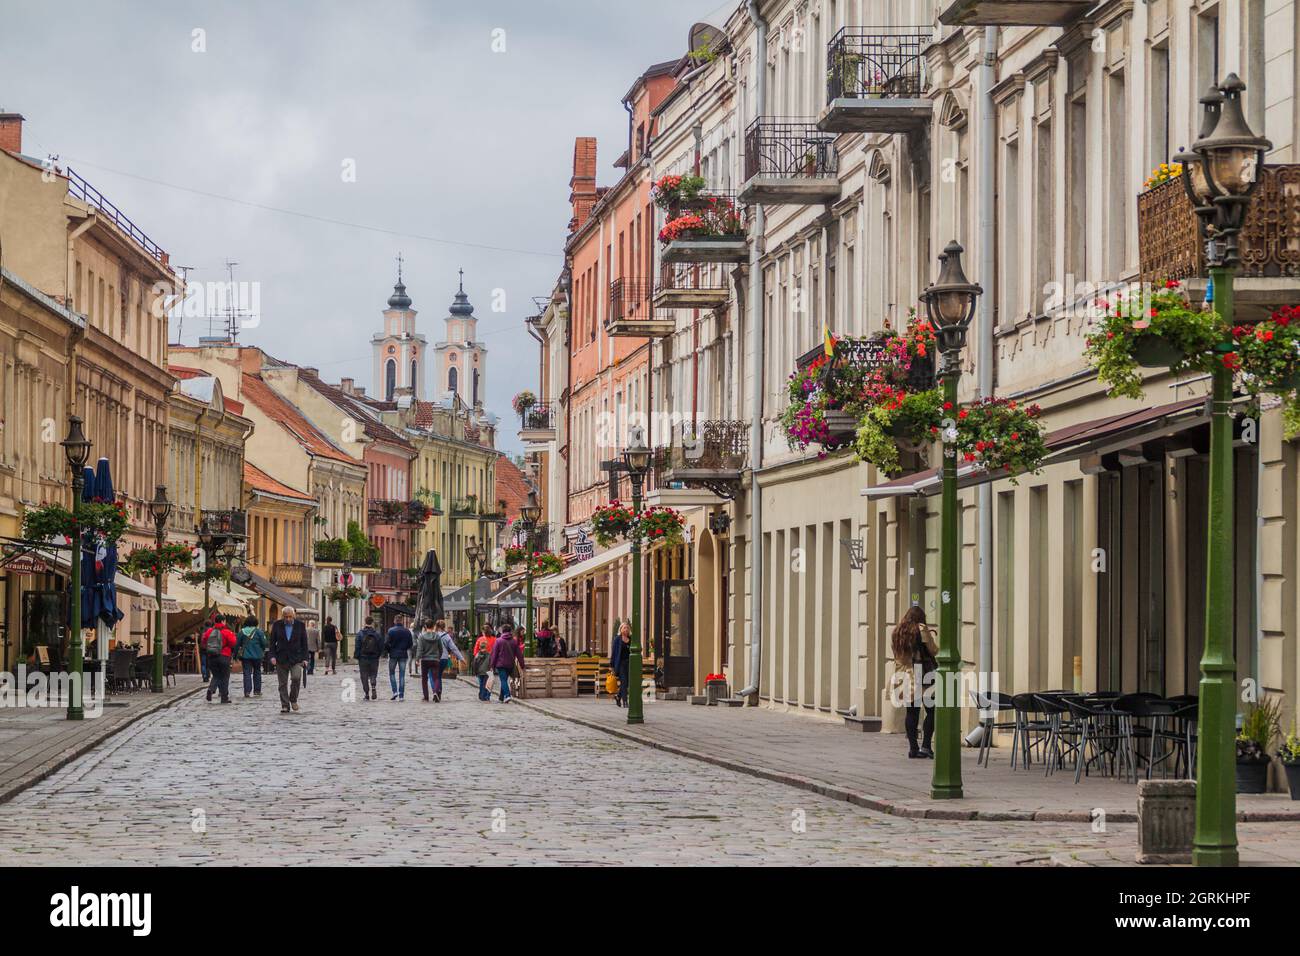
(180, 313)
(232, 321)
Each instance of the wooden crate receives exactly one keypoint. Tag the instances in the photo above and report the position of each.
(549, 677)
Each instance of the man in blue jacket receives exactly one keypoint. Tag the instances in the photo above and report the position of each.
(288, 653)
(397, 646)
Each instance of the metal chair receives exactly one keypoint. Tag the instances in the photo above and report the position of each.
(997, 703)
(1099, 729)
(1035, 728)
(1063, 731)
(1132, 711)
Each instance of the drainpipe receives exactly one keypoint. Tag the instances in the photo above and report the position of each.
(984, 353)
(756, 427)
(695, 313)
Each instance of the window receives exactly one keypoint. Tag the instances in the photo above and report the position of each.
(1157, 105)
(1118, 208)
(1045, 216)
(414, 374)
(390, 379)
(451, 379)
(1076, 179)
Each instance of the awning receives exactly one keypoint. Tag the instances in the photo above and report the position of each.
(552, 586)
(489, 593)
(1096, 437)
(124, 584)
(190, 596)
(278, 595)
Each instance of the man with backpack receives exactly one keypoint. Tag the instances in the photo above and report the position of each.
(288, 653)
(218, 646)
(329, 636)
(370, 647)
(397, 646)
(249, 652)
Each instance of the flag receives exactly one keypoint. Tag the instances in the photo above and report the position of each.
(830, 340)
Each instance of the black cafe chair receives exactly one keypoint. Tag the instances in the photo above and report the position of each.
(996, 703)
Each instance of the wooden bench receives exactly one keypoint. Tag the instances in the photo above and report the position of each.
(591, 675)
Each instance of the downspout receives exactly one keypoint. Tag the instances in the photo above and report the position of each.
(695, 313)
(984, 356)
(756, 427)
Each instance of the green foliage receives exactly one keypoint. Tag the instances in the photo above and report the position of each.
(1268, 355)
(611, 522)
(1128, 323)
(913, 418)
(999, 433)
(1289, 752)
(1258, 728)
(154, 561)
(107, 520)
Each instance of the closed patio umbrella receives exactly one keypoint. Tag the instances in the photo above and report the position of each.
(428, 585)
(105, 557)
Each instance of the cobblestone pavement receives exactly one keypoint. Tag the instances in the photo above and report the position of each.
(457, 782)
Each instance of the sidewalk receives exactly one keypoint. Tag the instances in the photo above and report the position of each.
(35, 742)
(870, 769)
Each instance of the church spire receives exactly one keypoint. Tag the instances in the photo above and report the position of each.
(399, 299)
(460, 305)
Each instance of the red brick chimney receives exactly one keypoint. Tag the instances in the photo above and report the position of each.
(11, 132)
(582, 187)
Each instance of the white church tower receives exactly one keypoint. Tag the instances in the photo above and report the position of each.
(460, 362)
(399, 350)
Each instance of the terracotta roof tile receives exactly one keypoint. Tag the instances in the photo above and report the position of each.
(372, 426)
(511, 486)
(278, 409)
(259, 480)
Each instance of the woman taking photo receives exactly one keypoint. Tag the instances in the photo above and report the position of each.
(914, 659)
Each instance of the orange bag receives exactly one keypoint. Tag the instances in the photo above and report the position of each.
(611, 683)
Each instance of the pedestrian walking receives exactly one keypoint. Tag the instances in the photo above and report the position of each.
(426, 652)
(313, 647)
(370, 647)
(561, 647)
(506, 656)
(288, 654)
(397, 645)
(249, 651)
(329, 637)
(213, 618)
(618, 661)
(482, 665)
(915, 658)
(447, 649)
(218, 647)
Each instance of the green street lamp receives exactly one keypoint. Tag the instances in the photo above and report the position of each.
(636, 462)
(474, 553)
(1220, 173)
(160, 510)
(950, 304)
(76, 448)
(529, 514)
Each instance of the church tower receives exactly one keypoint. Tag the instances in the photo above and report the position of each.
(399, 351)
(460, 362)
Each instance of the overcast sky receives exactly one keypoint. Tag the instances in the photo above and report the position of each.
(462, 154)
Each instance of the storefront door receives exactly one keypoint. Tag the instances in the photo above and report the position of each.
(674, 644)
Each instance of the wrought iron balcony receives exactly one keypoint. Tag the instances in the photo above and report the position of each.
(402, 514)
(537, 423)
(707, 227)
(789, 161)
(708, 454)
(1169, 242)
(683, 286)
(1014, 13)
(389, 579)
(632, 310)
(292, 575)
(869, 351)
(876, 81)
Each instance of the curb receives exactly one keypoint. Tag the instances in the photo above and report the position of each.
(883, 804)
(90, 742)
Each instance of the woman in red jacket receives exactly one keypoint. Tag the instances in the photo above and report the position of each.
(218, 643)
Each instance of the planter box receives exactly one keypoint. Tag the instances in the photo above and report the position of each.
(842, 426)
(1151, 351)
(1252, 776)
(1166, 821)
(714, 691)
(1293, 779)
(549, 677)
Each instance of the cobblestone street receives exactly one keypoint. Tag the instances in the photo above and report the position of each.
(457, 782)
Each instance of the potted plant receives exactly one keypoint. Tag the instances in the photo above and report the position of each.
(686, 226)
(1166, 331)
(999, 433)
(844, 72)
(661, 526)
(546, 563)
(524, 400)
(671, 192)
(155, 561)
(1256, 733)
(902, 420)
(106, 520)
(810, 163)
(1162, 174)
(515, 554)
(1267, 357)
(1289, 754)
(715, 688)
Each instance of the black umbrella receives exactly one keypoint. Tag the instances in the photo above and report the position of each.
(428, 585)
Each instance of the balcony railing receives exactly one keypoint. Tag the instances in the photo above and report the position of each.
(632, 310)
(789, 149)
(877, 62)
(88, 194)
(389, 579)
(1169, 242)
(412, 514)
(684, 286)
(292, 575)
(539, 417)
(1013, 13)
(711, 454)
(715, 234)
(856, 352)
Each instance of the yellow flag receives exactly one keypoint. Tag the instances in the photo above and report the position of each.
(830, 340)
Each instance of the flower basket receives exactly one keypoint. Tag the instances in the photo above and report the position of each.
(546, 563)
(999, 433)
(661, 526)
(841, 425)
(611, 522)
(1152, 351)
(715, 688)
(515, 555)
(523, 400)
(105, 520)
(156, 561)
(1268, 358)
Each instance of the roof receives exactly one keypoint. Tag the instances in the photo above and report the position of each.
(184, 372)
(360, 407)
(260, 481)
(511, 486)
(312, 439)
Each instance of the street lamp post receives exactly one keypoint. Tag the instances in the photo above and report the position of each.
(160, 510)
(345, 582)
(529, 514)
(950, 303)
(1220, 173)
(473, 552)
(636, 462)
(76, 448)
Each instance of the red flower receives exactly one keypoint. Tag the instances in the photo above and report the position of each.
(1231, 361)
(1264, 335)
(963, 413)
(1015, 436)
(1238, 331)
(947, 406)
(970, 456)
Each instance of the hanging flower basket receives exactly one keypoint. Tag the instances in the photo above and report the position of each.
(1268, 358)
(349, 593)
(155, 561)
(998, 433)
(104, 520)
(546, 563)
(1165, 331)
(661, 526)
(611, 522)
(1152, 351)
(515, 555)
(523, 400)
(908, 421)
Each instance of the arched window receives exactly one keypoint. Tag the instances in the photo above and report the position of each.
(414, 376)
(390, 379)
(451, 379)
(475, 386)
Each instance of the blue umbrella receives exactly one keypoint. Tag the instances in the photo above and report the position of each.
(85, 554)
(105, 565)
